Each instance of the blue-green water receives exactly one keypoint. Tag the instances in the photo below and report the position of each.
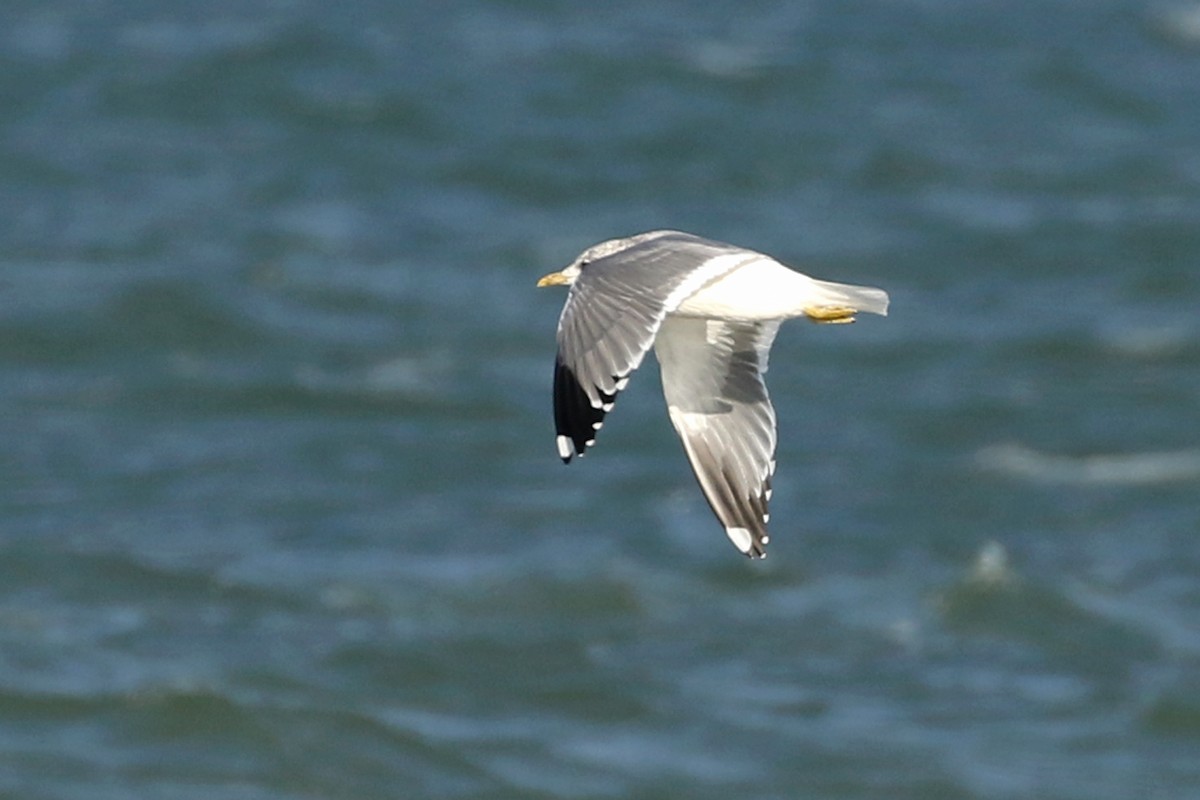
(280, 510)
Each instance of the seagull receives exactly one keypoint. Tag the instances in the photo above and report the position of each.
(711, 311)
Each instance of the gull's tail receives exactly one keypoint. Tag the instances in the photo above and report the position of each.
(860, 298)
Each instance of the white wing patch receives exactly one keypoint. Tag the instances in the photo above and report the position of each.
(741, 539)
(707, 272)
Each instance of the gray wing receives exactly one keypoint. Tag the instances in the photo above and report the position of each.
(712, 373)
(611, 317)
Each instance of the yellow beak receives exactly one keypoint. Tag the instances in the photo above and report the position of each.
(553, 279)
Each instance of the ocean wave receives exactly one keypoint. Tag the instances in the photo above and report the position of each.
(1131, 469)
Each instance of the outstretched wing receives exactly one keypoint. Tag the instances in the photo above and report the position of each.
(712, 373)
(611, 317)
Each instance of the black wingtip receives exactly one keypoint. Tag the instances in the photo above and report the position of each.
(576, 420)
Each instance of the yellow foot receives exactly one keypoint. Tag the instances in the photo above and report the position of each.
(833, 315)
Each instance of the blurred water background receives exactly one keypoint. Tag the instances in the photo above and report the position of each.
(280, 510)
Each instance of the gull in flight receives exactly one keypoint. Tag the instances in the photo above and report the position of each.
(711, 311)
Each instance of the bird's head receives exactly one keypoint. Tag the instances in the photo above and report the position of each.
(569, 275)
(564, 277)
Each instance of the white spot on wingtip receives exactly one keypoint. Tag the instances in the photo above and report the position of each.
(766, 518)
(766, 539)
(622, 383)
(741, 538)
(564, 447)
(767, 494)
(589, 443)
(771, 469)
(597, 426)
(606, 407)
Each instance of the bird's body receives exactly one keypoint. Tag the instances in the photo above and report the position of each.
(711, 311)
(761, 290)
